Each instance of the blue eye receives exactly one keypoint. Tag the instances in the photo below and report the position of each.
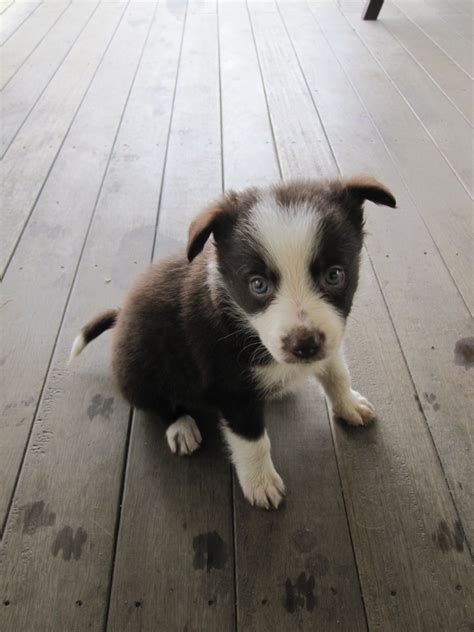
(335, 276)
(258, 285)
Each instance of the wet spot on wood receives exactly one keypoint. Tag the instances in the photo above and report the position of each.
(70, 544)
(210, 551)
(304, 540)
(449, 539)
(464, 352)
(100, 407)
(300, 595)
(431, 400)
(36, 515)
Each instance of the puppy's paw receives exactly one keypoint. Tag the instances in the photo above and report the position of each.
(356, 410)
(263, 488)
(183, 436)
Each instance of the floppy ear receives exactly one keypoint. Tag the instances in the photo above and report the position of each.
(361, 188)
(201, 228)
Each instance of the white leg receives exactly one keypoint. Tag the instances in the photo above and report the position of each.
(183, 436)
(260, 482)
(346, 403)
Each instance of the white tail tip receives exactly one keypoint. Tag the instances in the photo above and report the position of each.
(77, 346)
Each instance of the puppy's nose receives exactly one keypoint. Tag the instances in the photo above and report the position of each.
(305, 345)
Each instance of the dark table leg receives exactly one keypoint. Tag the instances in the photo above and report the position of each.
(372, 9)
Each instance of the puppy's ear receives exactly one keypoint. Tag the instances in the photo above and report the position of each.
(201, 228)
(361, 188)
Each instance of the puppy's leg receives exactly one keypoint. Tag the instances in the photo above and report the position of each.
(183, 435)
(346, 403)
(249, 446)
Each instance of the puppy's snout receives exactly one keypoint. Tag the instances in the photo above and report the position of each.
(304, 344)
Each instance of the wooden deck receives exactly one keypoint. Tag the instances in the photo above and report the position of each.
(119, 121)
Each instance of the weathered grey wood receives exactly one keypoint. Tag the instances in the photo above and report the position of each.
(20, 96)
(453, 16)
(247, 136)
(400, 457)
(463, 6)
(295, 567)
(450, 131)
(14, 17)
(70, 537)
(41, 274)
(457, 47)
(174, 565)
(437, 317)
(372, 9)
(4, 5)
(451, 79)
(27, 163)
(24, 42)
(445, 205)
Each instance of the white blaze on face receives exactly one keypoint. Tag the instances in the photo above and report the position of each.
(289, 237)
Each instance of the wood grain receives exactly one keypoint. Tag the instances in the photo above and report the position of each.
(22, 44)
(40, 278)
(14, 17)
(174, 566)
(61, 525)
(449, 130)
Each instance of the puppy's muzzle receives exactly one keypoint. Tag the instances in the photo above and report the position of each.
(303, 345)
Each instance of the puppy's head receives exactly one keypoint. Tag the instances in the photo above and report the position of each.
(288, 257)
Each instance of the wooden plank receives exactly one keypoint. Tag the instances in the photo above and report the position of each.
(421, 287)
(463, 6)
(304, 548)
(449, 130)
(23, 43)
(12, 19)
(41, 275)
(174, 565)
(77, 446)
(457, 47)
(450, 14)
(21, 95)
(445, 205)
(4, 5)
(243, 100)
(26, 165)
(450, 78)
(398, 504)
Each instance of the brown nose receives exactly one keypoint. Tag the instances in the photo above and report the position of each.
(304, 344)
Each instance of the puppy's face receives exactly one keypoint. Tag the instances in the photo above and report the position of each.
(289, 259)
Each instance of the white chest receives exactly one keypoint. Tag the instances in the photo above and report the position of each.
(277, 379)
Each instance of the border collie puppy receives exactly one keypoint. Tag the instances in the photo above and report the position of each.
(246, 315)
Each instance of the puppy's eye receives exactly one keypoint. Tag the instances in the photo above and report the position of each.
(335, 276)
(259, 286)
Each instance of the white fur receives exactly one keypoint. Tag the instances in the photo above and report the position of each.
(183, 436)
(77, 346)
(260, 482)
(289, 239)
(346, 403)
(276, 379)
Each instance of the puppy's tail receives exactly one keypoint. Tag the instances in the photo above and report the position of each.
(92, 329)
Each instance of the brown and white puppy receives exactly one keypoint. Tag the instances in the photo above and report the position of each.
(245, 316)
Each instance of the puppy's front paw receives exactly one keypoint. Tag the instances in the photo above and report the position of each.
(263, 488)
(183, 436)
(356, 410)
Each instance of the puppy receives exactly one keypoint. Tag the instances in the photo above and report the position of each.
(246, 315)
